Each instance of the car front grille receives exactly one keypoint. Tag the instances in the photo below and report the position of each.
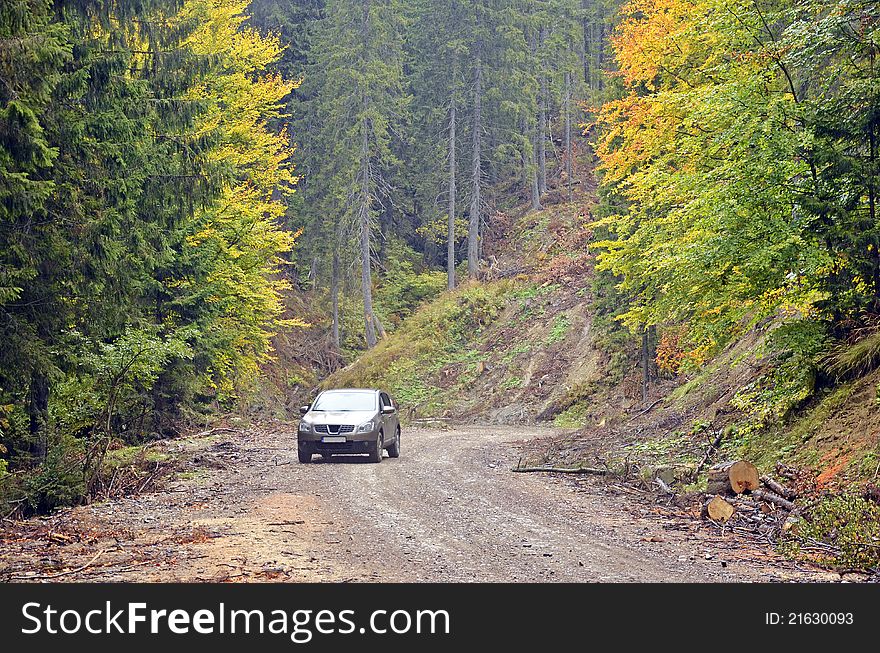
(333, 429)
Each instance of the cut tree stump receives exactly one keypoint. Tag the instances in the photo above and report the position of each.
(736, 476)
(718, 509)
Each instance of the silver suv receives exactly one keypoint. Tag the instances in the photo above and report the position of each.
(349, 421)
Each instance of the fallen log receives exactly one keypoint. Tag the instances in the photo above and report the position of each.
(737, 476)
(778, 488)
(775, 499)
(563, 470)
(718, 510)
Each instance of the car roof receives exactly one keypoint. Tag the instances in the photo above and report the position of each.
(352, 390)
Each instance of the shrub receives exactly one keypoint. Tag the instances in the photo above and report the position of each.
(850, 524)
(58, 481)
(792, 379)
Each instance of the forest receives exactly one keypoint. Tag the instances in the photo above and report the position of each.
(186, 185)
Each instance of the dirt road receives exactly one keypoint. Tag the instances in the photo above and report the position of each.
(448, 509)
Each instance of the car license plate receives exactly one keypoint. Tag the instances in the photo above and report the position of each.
(333, 438)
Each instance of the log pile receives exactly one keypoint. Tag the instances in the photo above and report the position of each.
(737, 496)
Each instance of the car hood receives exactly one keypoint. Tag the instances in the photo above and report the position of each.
(353, 417)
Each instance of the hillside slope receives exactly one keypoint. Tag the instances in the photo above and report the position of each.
(529, 343)
(518, 346)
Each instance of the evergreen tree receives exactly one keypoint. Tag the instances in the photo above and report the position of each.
(358, 65)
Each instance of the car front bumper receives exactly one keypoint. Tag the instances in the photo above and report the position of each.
(354, 442)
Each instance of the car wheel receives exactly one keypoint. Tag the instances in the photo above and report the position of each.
(376, 453)
(304, 456)
(394, 449)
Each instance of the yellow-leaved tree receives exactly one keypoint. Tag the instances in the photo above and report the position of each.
(234, 247)
(702, 151)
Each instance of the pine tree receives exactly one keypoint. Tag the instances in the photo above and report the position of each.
(358, 64)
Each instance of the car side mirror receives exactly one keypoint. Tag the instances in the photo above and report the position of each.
(303, 410)
(388, 410)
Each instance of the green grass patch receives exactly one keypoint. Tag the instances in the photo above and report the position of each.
(575, 416)
(764, 446)
(511, 383)
(522, 348)
(695, 383)
(127, 456)
(443, 333)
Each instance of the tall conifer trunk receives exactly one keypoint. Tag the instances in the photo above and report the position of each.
(476, 181)
(365, 200)
(542, 117)
(450, 226)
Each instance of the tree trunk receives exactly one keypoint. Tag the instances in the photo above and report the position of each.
(532, 167)
(872, 201)
(736, 476)
(778, 488)
(450, 225)
(718, 510)
(380, 330)
(38, 412)
(587, 26)
(775, 499)
(542, 117)
(653, 370)
(364, 220)
(476, 201)
(366, 199)
(334, 296)
(646, 367)
(568, 153)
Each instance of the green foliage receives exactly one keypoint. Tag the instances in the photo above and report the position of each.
(511, 383)
(140, 243)
(403, 288)
(849, 524)
(743, 160)
(792, 379)
(511, 354)
(575, 416)
(58, 481)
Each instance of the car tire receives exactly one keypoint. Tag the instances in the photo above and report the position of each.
(394, 449)
(375, 455)
(304, 456)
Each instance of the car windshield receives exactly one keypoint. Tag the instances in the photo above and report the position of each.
(345, 401)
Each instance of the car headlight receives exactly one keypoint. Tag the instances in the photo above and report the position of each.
(305, 427)
(366, 427)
